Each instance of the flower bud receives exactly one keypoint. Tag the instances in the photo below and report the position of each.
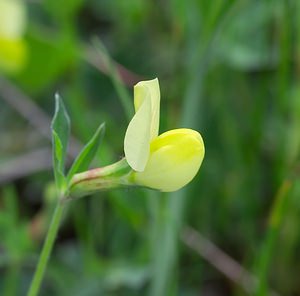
(175, 158)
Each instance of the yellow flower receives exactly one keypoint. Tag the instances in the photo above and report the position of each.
(166, 162)
(12, 25)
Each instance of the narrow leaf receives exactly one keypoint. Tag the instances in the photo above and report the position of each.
(57, 156)
(88, 153)
(60, 137)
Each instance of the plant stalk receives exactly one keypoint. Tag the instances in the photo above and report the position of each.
(46, 251)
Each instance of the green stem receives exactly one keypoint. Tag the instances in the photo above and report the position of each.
(47, 248)
(278, 212)
(116, 80)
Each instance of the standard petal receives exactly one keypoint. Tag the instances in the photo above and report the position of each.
(141, 90)
(138, 135)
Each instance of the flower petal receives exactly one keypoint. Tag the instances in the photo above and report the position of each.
(138, 136)
(141, 90)
(175, 158)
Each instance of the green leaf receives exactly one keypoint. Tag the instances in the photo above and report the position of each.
(88, 153)
(60, 137)
(57, 163)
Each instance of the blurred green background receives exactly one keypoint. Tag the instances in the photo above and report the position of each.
(229, 69)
